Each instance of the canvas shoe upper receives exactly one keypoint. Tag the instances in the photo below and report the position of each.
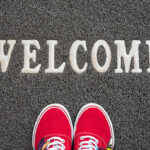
(93, 129)
(53, 129)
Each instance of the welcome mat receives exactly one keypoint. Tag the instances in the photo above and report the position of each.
(73, 53)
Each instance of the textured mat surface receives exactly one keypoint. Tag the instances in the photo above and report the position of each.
(126, 97)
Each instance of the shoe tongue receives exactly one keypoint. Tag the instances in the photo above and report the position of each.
(41, 143)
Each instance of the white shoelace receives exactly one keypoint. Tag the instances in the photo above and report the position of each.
(56, 143)
(88, 144)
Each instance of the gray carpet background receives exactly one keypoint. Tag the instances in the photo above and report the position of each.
(126, 97)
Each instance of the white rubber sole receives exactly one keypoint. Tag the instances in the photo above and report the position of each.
(85, 107)
(61, 107)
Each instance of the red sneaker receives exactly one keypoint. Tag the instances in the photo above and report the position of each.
(53, 129)
(93, 129)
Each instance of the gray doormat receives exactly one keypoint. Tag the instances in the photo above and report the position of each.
(125, 96)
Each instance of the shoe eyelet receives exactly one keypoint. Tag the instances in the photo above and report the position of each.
(63, 141)
(81, 138)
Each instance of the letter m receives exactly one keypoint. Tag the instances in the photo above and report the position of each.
(121, 53)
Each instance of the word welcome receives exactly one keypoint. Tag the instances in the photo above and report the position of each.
(31, 56)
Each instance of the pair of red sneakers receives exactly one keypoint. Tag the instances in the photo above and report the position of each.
(53, 129)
